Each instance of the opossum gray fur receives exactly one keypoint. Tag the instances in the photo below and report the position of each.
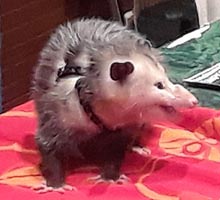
(119, 80)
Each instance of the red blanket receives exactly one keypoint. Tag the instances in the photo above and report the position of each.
(184, 164)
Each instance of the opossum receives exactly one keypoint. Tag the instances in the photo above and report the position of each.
(96, 87)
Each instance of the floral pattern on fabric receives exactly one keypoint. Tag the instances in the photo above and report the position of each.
(184, 164)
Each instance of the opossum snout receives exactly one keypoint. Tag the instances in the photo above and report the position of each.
(194, 101)
(187, 102)
(184, 97)
(119, 71)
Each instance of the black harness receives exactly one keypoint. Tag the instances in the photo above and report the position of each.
(84, 91)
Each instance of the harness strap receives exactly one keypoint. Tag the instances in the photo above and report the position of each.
(85, 96)
(85, 93)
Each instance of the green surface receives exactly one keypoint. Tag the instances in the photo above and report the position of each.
(192, 57)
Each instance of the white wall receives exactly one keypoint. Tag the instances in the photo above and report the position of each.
(213, 10)
(208, 10)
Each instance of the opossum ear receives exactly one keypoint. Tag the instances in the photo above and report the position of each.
(119, 71)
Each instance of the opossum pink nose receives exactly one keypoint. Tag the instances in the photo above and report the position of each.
(194, 102)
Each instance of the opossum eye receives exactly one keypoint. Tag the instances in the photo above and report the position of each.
(119, 71)
(159, 85)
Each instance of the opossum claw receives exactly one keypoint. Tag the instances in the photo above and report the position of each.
(99, 179)
(43, 188)
(123, 179)
(141, 151)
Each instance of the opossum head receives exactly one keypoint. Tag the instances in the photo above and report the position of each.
(136, 87)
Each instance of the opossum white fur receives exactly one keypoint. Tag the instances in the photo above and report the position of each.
(65, 128)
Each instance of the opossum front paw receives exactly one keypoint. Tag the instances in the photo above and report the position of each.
(143, 151)
(43, 188)
(100, 179)
(122, 179)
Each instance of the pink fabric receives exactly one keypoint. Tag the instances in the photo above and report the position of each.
(184, 164)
